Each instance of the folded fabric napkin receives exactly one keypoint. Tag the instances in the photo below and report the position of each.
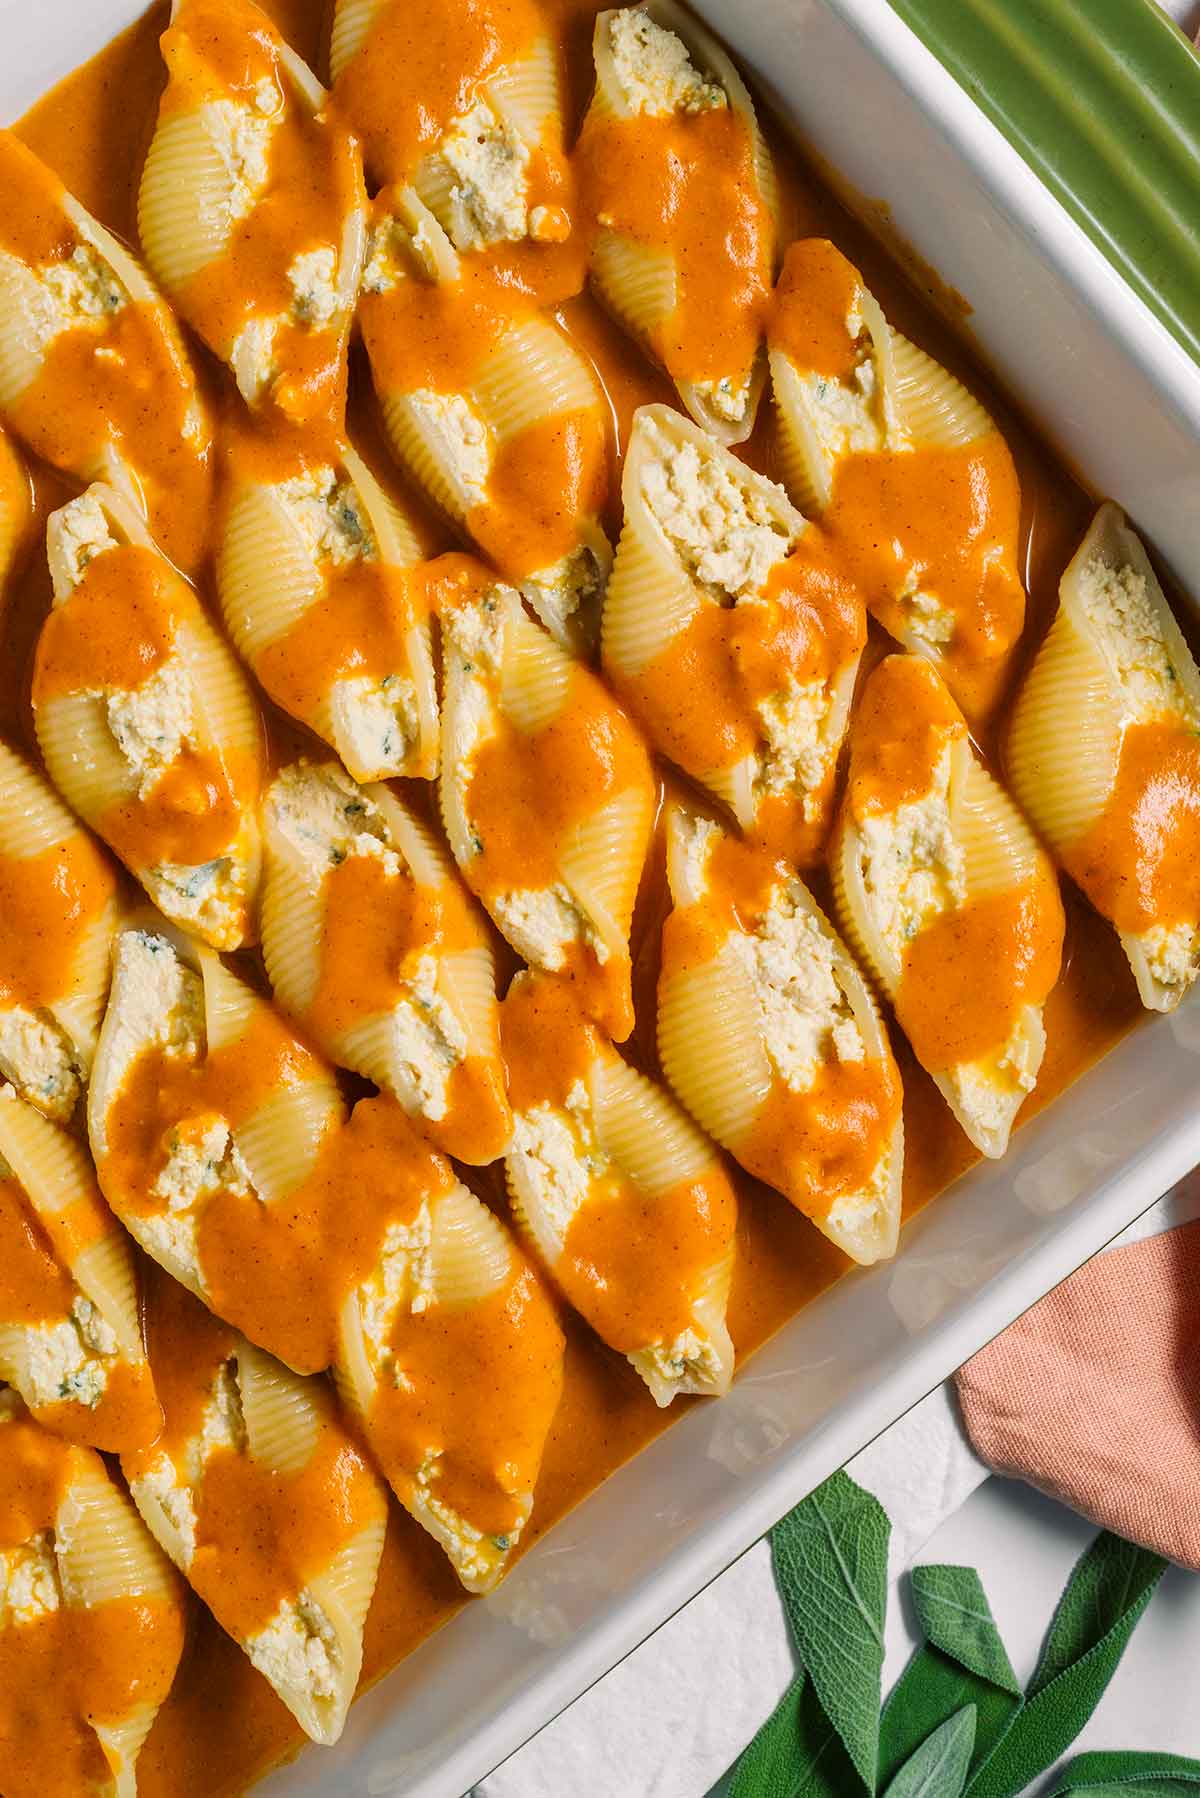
(1093, 1396)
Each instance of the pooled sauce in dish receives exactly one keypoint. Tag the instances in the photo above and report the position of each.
(222, 1725)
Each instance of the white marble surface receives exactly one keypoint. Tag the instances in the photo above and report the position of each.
(667, 1722)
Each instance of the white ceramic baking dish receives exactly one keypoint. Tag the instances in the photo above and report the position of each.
(1121, 401)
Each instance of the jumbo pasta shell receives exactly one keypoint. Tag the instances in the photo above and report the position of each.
(710, 1046)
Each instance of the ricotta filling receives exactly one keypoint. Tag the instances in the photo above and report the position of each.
(40, 1060)
(1173, 954)
(30, 1584)
(153, 723)
(241, 139)
(807, 1019)
(81, 291)
(174, 1483)
(488, 168)
(312, 278)
(81, 533)
(471, 1552)
(376, 722)
(70, 1361)
(725, 524)
(802, 740)
(846, 417)
(299, 1650)
(402, 1278)
(1124, 620)
(462, 436)
(542, 924)
(728, 396)
(205, 894)
(329, 518)
(554, 1155)
(428, 1041)
(913, 869)
(653, 71)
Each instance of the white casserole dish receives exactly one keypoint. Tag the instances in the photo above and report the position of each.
(1121, 401)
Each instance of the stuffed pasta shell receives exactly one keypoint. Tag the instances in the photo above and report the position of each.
(372, 945)
(547, 792)
(731, 632)
(625, 1201)
(14, 508)
(70, 1329)
(1104, 754)
(208, 1118)
(93, 375)
(312, 575)
(450, 1355)
(492, 410)
(771, 1038)
(464, 106)
(59, 904)
(942, 888)
(91, 1619)
(145, 721)
(904, 468)
(266, 1505)
(252, 209)
(679, 194)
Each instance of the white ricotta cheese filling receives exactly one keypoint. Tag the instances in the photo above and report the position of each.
(428, 1041)
(329, 517)
(376, 722)
(312, 278)
(401, 1279)
(927, 618)
(913, 869)
(81, 534)
(802, 741)
(462, 436)
(689, 1356)
(488, 165)
(555, 1154)
(726, 530)
(30, 1586)
(241, 139)
(846, 416)
(807, 1019)
(542, 923)
(1125, 625)
(39, 1059)
(70, 1361)
(207, 895)
(728, 396)
(1173, 954)
(174, 1483)
(653, 70)
(299, 1649)
(153, 723)
(252, 356)
(559, 593)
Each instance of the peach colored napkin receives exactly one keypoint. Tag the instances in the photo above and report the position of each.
(1094, 1395)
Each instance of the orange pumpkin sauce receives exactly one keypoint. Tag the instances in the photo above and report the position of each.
(948, 516)
(14, 510)
(262, 1534)
(225, 52)
(417, 72)
(116, 382)
(120, 626)
(970, 971)
(546, 479)
(73, 1668)
(222, 1726)
(529, 795)
(1137, 863)
(49, 902)
(684, 186)
(701, 699)
(375, 927)
(482, 1381)
(634, 1260)
(815, 1145)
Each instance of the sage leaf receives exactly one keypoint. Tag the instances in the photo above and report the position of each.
(954, 1613)
(796, 1754)
(939, 1767)
(1107, 1580)
(931, 1688)
(1104, 1599)
(830, 1557)
(1128, 1775)
(771, 1765)
(963, 1661)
